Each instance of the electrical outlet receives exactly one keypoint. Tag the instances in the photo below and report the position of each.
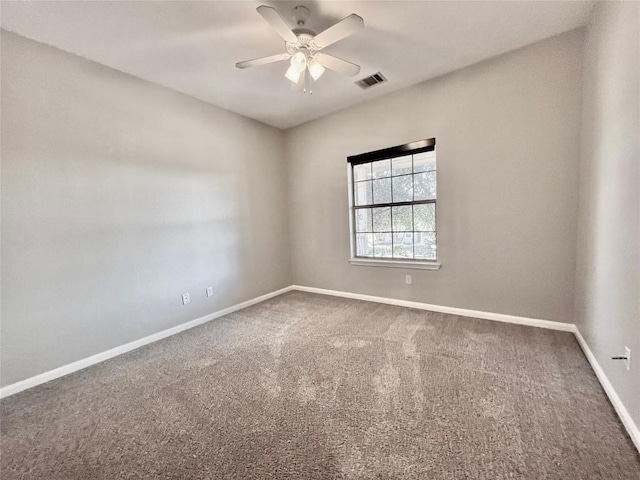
(407, 279)
(186, 298)
(209, 291)
(627, 362)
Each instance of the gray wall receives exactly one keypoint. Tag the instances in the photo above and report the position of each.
(608, 267)
(508, 143)
(117, 197)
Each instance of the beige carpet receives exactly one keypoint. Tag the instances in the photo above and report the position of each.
(306, 386)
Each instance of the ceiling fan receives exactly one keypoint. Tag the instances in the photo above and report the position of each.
(304, 47)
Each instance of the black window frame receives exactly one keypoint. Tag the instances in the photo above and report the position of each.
(412, 148)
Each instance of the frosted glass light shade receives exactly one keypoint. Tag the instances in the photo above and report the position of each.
(316, 69)
(299, 60)
(293, 74)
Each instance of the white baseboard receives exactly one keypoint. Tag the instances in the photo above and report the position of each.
(114, 352)
(499, 317)
(621, 410)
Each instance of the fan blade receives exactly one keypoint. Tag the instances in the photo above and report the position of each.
(344, 28)
(263, 60)
(279, 25)
(338, 65)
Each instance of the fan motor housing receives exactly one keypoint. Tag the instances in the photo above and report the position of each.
(305, 40)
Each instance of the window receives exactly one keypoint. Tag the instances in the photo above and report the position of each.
(393, 205)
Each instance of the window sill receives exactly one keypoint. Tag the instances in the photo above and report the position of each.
(372, 262)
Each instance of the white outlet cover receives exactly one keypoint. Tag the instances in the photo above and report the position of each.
(209, 291)
(186, 298)
(627, 362)
(407, 279)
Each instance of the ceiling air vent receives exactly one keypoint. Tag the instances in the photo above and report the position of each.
(369, 82)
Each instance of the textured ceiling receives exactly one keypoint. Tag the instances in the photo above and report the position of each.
(192, 47)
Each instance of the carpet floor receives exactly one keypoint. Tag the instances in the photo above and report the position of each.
(307, 386)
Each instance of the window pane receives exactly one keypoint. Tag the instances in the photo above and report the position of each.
(401, 231)
(424, 217)
(424, 186)
(364, 244)
(382, 245)
(381, 168)
(363, 220)
(403, 188)
(425, 245)
(403, 245)
(362, 172)
(401, 165)
(424, 162)
(363, 193)
(382, 191)
(402, 219)
(382, 219)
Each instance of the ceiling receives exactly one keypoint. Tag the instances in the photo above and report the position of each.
(192, 47)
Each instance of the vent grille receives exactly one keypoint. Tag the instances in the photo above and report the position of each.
(369, 82)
